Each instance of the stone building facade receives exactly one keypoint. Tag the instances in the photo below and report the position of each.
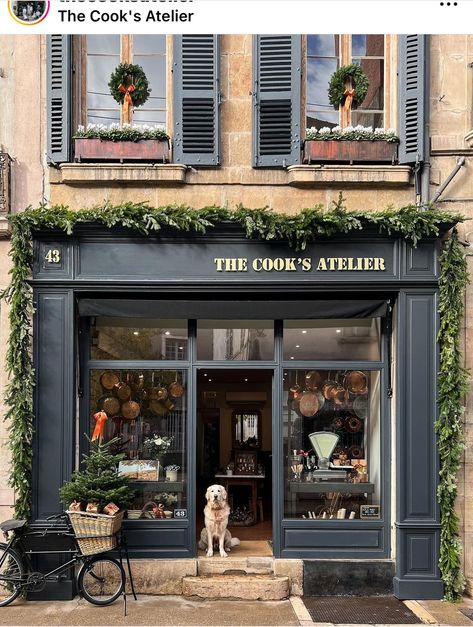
(289, 187)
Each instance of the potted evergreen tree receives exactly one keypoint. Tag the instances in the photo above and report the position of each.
(97, 497)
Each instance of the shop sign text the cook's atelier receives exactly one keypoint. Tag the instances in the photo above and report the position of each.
(293, 264)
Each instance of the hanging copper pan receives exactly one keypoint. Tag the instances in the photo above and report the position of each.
(158, 394)
(123, 391)
(157, 408)
(308, 404)
(176, 390)
(111, 405)
(135, 380)
(313, 380)
(353, 424)
(109, 379)
(327, 389)
(355, 452)
(130, 410)
(356, 382)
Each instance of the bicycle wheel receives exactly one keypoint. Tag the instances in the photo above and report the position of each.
(11, 575)
(101, 580)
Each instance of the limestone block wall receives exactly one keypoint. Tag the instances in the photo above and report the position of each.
(451, 126)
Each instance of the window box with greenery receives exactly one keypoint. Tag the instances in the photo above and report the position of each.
(98, 142)
(350, 144)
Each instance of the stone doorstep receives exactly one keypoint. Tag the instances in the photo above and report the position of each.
(245, 587)
(223, 565)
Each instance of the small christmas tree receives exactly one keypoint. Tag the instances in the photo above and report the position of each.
(99, 482)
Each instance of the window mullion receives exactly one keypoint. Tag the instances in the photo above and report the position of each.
(126, 57)
(345, 59)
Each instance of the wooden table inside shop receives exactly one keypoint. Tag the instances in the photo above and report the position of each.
(319, 487)
(249, 480)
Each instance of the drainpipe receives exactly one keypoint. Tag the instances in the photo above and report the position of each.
(425, 173)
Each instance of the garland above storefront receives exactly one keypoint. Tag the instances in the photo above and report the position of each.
(298, 231)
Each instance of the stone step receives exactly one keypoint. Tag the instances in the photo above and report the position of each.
(235, 565)
(237, 586)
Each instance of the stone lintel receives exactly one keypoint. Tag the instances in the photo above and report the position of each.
(322, 175)
(104, 174)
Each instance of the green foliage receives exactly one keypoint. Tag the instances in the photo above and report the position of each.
(452, 386)
(350, 133)
(298, 231)
(336, 88)
(123, 75)
(99, 481)
(117, 133)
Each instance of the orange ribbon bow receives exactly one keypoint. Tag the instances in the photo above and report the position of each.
(100, 419)
(349, 95)
(128, 100)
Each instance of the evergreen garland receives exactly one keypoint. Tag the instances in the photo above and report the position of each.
(452, 386)
(298, 230)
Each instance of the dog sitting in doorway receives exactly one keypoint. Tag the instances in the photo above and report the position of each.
(216, 514)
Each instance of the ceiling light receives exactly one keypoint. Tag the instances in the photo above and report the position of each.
(209, 380)
(136, 333)
(205, 374)
(298, 345)
(246, 379)
(167, 332)
(292, 357)
(304, 331)
(339, 330)
(181, 348)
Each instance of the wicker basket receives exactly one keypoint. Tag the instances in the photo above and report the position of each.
(95, 533)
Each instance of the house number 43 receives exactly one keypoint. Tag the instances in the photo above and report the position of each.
(53, 256)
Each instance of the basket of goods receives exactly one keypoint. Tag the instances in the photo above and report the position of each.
(96, 497)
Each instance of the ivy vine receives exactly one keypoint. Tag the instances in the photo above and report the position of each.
(298, 231)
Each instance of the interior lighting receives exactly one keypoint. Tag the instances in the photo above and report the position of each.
(298, 345)
(136, 333)
(304, 331)
(167, 332)
(339, 330)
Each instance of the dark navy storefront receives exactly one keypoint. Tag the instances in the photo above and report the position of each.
(224, 274)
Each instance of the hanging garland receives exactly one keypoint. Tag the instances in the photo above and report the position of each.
(298, 231)
(452, 387)
(348, 87)
(129, 85)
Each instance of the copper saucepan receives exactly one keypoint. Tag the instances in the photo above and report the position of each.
(109, 379)
(111, 405)
(356, 382)
(313, 380)
(131, 410)
(308, 404)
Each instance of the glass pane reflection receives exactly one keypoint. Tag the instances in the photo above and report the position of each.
(235, 340)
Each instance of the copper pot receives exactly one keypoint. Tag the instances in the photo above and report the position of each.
(109, 379)
(176, 390)
(157, 408)
(296, 391)
(356, 382)
(313, 380)
(131, 410)
(308, 404)
(353, 424)
(123, 391)
(111, 405)
(327, 389)
(158, 394)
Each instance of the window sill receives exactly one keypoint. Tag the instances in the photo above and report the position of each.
(121, 173)
(349, 175)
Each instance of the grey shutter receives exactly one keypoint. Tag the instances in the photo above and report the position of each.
(59, 77)
(196, 100)
(276, 99)
(412, 98)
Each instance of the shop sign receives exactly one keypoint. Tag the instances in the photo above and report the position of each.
(293, 264)
(370, 512)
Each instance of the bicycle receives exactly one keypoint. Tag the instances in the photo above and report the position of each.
(100, 578)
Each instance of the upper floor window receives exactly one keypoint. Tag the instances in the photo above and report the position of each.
(325, 54)
(102, 54)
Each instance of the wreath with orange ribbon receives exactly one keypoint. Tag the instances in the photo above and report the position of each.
(129, 85)
(348, 87)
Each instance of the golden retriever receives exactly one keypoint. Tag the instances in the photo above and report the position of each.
(216, 520)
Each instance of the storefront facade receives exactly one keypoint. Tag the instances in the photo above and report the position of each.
(382, 287)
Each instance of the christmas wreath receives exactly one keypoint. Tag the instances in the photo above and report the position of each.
(129, 85)
(348, 87)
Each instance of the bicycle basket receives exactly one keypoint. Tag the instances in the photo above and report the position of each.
(95, 533)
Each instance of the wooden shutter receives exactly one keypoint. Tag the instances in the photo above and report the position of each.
(276, 99)
(412, 98)
(59, 86)
(196, 100)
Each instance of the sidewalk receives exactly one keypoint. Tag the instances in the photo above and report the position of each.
(177, 610)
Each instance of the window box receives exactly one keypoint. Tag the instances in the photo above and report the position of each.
(376, 151)
(94, 149)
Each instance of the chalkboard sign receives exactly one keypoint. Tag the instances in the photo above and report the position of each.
(370, 512)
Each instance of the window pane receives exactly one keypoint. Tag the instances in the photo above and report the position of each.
(149, 51)
(332, 435)
(149, 44)
(239, 340)
(357, 338)
(367, 45)
(138, 338)
(366, 118)
(322, 61)
(147, 410)
(103, 55)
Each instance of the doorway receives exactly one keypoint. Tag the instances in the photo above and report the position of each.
(234, 448)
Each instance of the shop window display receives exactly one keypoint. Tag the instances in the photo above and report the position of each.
(332, 444)
(147, 411)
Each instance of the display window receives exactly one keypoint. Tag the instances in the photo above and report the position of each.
(235, 340)
(332, 444)
(146, 410)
